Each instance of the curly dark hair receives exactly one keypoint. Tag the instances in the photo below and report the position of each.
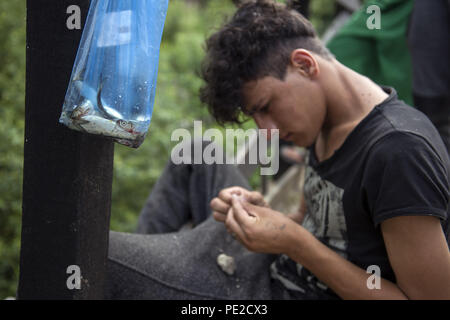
(256, 42)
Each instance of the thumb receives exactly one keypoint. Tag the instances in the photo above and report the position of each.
(251, 209)
(240, 213)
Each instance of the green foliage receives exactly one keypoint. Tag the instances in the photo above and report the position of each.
(12, 89)
(321, 14)
(135, 171)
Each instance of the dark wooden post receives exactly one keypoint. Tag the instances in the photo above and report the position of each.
(67, 177)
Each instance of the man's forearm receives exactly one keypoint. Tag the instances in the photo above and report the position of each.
(343, 277)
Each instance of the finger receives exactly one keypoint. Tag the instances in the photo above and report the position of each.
(234, 227)
(252, 209)
(256, 198)
(219, 205)
(227, 193)
(220, 217)
(240, 214)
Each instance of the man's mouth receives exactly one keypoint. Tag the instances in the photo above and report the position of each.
(287, 136)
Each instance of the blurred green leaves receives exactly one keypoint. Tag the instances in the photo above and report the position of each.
(12, 100)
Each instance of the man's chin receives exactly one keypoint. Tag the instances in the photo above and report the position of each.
(301, 142)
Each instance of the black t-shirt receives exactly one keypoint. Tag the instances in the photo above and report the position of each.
(393, 163)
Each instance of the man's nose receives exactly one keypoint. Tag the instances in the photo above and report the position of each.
(265, 122)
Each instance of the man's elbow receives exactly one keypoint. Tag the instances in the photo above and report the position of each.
(426, 291)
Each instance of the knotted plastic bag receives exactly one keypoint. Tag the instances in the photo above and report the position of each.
(112, 86)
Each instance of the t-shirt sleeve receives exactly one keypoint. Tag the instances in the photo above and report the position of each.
(405, 176)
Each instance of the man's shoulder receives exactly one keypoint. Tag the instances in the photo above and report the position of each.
(405, 118)
(405, 152)
(396, 124)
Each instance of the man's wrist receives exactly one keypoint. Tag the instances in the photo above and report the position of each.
(296, 216)
(295, 240)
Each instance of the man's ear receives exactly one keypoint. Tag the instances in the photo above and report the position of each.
(304, 62)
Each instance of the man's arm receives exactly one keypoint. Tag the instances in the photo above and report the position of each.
(417, 251)
(265, 230)
(419, 254)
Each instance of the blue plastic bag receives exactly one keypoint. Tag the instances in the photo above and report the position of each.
(112, 86)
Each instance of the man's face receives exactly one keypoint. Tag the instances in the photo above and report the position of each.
(295, 106)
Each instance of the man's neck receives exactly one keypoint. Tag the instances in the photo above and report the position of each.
(350, 98)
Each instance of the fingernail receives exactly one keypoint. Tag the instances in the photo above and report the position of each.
(237, 197)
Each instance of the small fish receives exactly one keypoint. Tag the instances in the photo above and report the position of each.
(128, 126)
(105, 127)
(109, 122)
(81, 111)
(100, 106)
(113, 115)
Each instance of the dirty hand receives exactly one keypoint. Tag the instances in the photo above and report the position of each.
(260, 229)
(222, 203)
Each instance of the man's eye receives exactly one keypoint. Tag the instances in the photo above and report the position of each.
(264, 109)
(251, 113)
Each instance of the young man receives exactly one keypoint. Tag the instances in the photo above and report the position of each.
(376, 191)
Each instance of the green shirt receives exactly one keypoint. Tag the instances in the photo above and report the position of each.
(380, 54)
